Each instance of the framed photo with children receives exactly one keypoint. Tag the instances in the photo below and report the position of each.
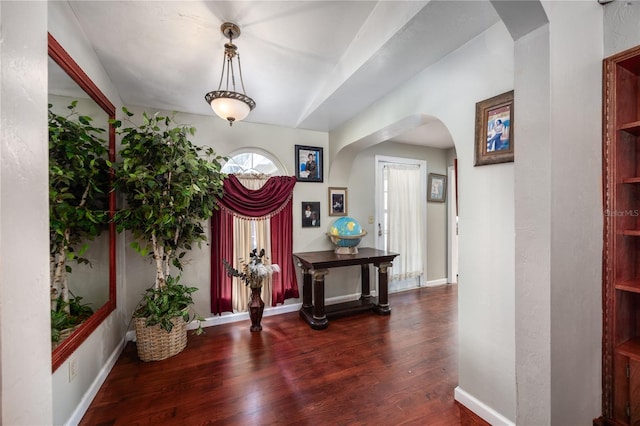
(310, 214)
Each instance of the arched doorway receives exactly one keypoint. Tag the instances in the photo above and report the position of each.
(419, 138)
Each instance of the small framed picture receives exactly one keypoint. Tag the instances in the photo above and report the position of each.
(309, 163)
(437, 188)
(337, 201)
(494, 130)
(310, 214)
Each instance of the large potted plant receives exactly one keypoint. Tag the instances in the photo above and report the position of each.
(78, 209)
(171, 187)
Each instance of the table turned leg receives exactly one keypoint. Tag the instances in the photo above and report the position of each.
(313, 313)
(307, 295)
(365, 280)
(319, 316)
(383, 308)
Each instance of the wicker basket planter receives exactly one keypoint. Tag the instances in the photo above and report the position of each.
(155, 344)
(64, 335)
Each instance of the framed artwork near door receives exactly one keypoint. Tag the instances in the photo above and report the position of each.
(494, 130)
(337, 201)
(437, 188)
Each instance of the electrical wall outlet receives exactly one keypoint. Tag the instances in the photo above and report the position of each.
(370, 220)
(73, 368)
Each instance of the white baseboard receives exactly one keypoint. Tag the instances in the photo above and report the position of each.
(487, 413)
(91, 393)
(130, 336)
(412, 284)
(435, 283)
(229, 317)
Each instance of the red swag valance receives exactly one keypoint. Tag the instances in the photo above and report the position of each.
(273, 201)
(257, 203)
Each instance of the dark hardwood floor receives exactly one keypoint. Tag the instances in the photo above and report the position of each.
(362, 370)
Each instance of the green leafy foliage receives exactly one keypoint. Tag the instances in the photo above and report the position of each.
(159, 306)
(171, 187)
(61, 320)
(78, 191)
(78, 179)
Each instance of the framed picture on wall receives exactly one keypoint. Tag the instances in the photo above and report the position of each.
(437, 188)
(337, 201)
(310, 214)
(309, 163)
(494, 130)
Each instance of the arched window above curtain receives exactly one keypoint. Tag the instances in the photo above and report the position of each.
(253, 161)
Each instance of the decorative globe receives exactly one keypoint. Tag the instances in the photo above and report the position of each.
(346, 233)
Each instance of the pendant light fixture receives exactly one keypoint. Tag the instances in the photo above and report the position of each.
(227, 103)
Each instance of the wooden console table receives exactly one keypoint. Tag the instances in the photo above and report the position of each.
(316, 264)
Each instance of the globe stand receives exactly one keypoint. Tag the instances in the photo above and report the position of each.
(346, 250)
(346, 244)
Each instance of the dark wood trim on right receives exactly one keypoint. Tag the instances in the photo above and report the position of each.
(621, 239)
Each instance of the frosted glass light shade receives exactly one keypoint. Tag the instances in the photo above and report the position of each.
(230, 109)
(230, 106)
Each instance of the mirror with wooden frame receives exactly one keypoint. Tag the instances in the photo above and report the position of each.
(94, 280)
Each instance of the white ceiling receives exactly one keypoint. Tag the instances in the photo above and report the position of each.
(307, 64)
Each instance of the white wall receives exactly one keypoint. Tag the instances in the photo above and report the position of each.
(64, 27)
(533, 228)
(449, 91)
(559, 217)
(621, 29)
(576, 210)
(25, 342)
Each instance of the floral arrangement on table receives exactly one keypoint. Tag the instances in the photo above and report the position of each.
(253, 272)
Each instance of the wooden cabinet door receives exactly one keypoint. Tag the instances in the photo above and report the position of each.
(634, 392)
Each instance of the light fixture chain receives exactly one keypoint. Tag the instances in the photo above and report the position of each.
(229, 72)
(233, 76)
(222, 71)
(240, 72)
